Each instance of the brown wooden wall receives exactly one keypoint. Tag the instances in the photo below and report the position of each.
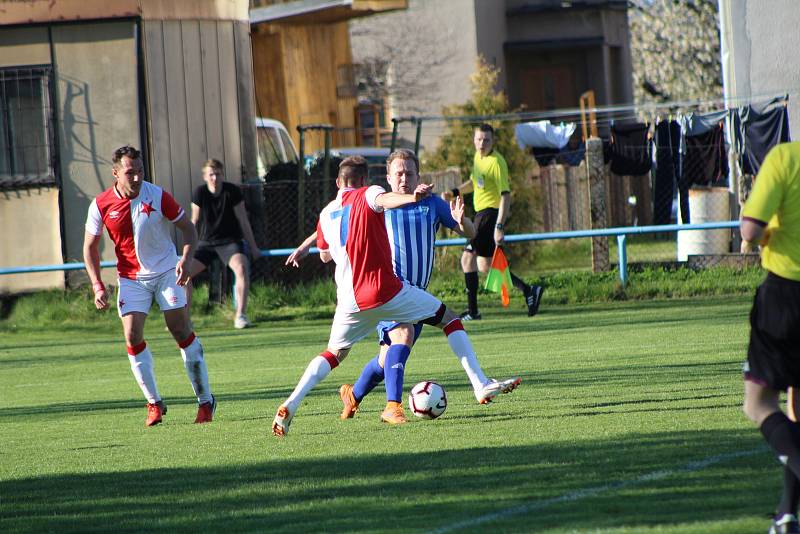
(200, 101)
(296, 77)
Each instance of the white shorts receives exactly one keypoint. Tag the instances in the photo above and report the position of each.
(137, 295)
(410, 305)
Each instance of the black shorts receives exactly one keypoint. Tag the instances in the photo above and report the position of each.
(773, 355)
(206, 253)
(483, 242)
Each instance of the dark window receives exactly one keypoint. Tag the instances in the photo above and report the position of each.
(26, 128)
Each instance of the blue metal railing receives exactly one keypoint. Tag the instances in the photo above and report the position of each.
(620, 232)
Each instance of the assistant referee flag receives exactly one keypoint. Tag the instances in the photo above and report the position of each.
(499, 279)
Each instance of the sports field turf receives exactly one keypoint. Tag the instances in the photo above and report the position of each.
(628, 420)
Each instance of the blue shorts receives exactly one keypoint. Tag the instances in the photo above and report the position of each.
(384, 327)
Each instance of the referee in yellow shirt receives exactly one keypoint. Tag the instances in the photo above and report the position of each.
(771, 219)
(492, 201)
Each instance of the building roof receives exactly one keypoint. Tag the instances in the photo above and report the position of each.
(525, 7)
(322, 11)
(43, 11)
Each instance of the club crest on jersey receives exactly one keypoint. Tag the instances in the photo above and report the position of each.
(148, 208)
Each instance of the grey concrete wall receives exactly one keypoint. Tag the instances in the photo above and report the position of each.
(97, 103)
(440, 34)
(490, 27)
(762, 46)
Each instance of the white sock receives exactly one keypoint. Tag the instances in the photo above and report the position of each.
(196, 370)
(462, 348)
(142, 367)
(317, 370)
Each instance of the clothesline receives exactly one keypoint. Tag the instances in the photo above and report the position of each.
(675, 106)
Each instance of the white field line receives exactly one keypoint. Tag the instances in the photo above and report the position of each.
(597, 490)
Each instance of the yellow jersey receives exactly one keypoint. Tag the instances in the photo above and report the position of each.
(489, 180)
(775, 199)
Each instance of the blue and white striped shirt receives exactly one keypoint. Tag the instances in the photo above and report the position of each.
(412, 232)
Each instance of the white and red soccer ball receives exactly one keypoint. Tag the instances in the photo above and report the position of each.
(427, 400)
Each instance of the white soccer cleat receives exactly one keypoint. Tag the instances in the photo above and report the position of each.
(241, 322)
(493, 388)
(280, 426)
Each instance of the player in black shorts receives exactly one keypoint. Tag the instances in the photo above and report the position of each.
(492, 201)
(771, 219)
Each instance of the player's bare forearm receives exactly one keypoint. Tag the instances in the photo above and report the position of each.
(91, 259)
(504, 208)
(301, 251)
(183, 267)
(752, 231)
(465, 227)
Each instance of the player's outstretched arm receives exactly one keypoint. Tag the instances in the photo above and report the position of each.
(463, 189)
(302, 251)
(91, 258)
(465, 227)
(397, 200)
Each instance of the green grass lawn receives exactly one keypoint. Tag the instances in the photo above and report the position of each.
(628, 420)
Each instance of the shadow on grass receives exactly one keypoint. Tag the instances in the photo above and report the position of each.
(644, 480)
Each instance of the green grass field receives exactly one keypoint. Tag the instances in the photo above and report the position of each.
(628, 420)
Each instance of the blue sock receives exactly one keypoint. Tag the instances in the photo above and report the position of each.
(394, 369)
(371, 376)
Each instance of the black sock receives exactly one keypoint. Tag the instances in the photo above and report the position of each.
(471, 281)
(791, 494)
(784, 438)
(519, 283)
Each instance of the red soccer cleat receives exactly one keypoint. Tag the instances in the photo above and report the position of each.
(154, 413)
(205, 412)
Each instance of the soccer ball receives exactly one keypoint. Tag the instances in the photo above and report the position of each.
(427, 400)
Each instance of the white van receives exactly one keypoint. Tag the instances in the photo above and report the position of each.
(274, 145)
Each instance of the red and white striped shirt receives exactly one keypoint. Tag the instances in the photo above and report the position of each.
(139, 228)
(352, 229)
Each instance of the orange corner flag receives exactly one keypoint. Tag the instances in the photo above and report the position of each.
(499, 279)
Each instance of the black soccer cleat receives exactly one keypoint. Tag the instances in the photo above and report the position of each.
(467, 316)
(533, 297)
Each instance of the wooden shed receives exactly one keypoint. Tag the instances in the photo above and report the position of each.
(304, 66)
(79, 78)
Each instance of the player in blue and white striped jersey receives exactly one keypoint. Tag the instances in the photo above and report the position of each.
(412, 231)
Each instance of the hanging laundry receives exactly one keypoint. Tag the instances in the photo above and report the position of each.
(543, 134)
(545, 155)
(631, 151)
(761, 128)
(667, 167)
(700, 123)
(705, 159)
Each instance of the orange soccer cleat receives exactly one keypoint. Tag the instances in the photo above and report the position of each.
(155, 411)
(394, 414)
(205, 412)
(349, 404)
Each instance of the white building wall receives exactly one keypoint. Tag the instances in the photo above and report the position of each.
(759, 48)
(433, 47)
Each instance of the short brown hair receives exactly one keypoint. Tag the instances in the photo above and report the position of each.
(126, 151)
(353, 168)
(214, 164)
(485, 127)
(402, 153)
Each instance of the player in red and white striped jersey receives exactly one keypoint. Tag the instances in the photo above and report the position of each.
(352, 232)
(138, 216)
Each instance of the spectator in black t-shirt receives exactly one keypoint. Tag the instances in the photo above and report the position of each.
(224, 232)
